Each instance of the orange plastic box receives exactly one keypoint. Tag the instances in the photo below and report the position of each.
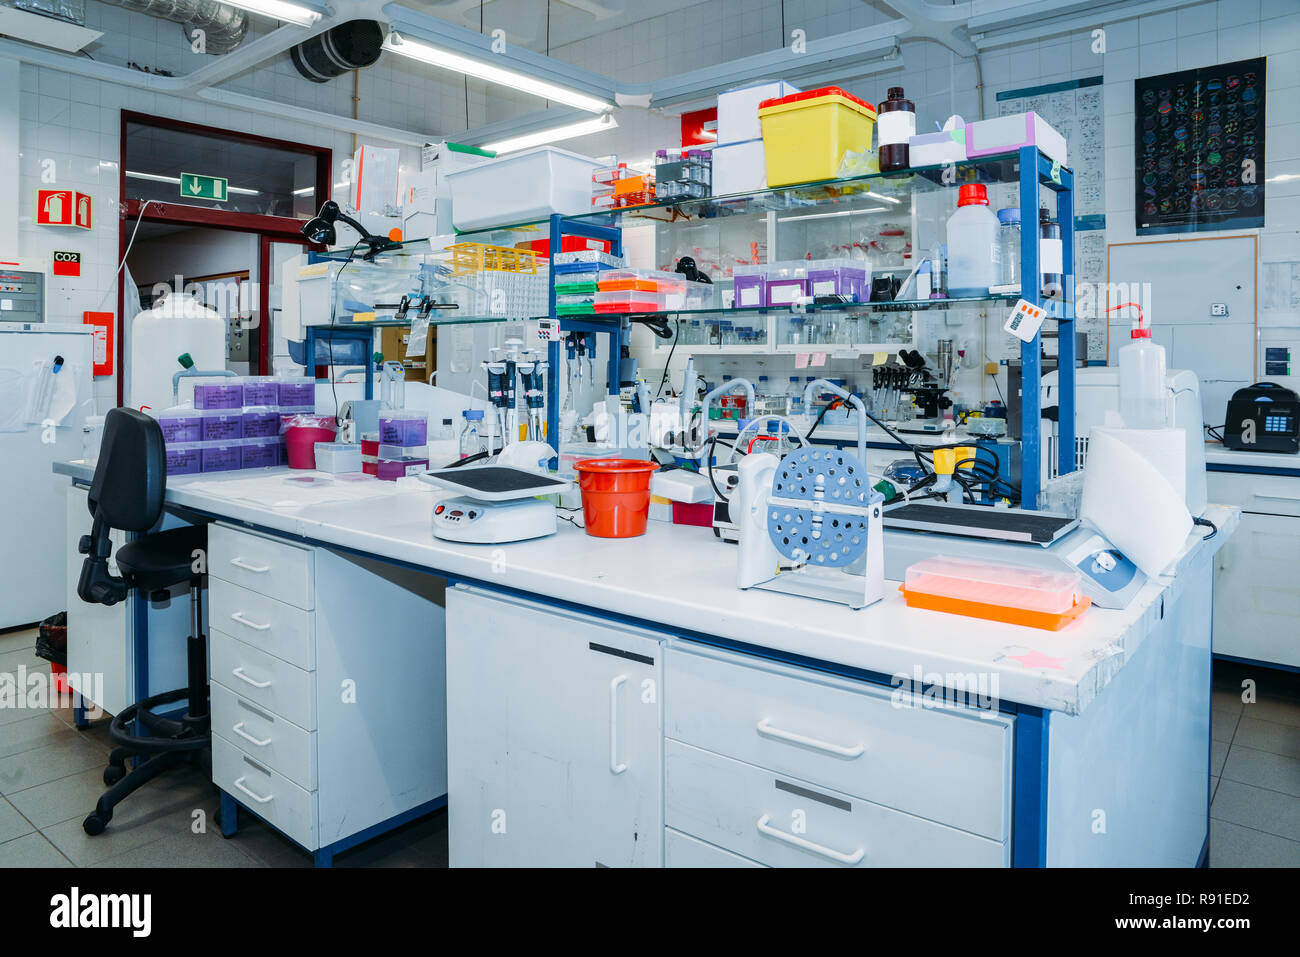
(1014, 594)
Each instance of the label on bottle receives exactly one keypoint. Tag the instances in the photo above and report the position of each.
(895, 127)
(1049, 250)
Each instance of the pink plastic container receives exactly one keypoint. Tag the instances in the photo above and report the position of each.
(301, 434)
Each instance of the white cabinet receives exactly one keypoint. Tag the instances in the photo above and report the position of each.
(1257, 572)
(554, 737)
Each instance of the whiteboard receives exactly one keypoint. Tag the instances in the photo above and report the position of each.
(1199, 298)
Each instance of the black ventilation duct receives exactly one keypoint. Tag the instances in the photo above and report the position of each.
(349, 46)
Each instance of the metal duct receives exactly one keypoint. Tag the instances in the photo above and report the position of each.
(224, 27)
(348, 46)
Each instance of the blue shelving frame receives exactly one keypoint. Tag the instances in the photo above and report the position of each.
(1036, 170)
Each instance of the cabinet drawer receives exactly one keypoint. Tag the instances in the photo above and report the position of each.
(284, 805)
(783, 821)
(283, 630)
(265, 565)
(943, 764)
(269, 739)
(1266, 494)
(682, 850)
(265, 680)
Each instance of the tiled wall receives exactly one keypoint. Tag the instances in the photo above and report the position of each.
(74, 120)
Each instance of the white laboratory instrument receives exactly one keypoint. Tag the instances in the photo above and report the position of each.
(33, 512)
(496, 504)
(810, 525)
(177, 325)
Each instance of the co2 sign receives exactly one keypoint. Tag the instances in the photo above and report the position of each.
(67, 264)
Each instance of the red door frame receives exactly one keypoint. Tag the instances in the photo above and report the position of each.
(267, 228)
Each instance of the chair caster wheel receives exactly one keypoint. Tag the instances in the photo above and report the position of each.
(114, 773)
(94, 824)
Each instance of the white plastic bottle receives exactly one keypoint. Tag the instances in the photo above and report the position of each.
(974, 252)
(1142, 388)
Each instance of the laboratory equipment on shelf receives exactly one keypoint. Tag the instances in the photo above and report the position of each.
(929, 387)
(495, 504)
(806, 135)
(974, 256)
(896, 119)
(810, 524)
(1009, 245)
(1264, 417)
(1051, 255)
(471, 442)
(532, 371)
(1142, 390)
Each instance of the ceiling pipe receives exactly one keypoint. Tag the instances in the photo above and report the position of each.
(223, 26)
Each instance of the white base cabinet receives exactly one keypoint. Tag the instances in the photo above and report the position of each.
(554, 737)
(1257, 571)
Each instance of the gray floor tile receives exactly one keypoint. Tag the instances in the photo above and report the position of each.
(48, 763)
(267, 847)
(31, 850)
(1268, 736)
(1263, 769)
(1269, 811)
(10, 661)
(184, 849)
(421, 843)
(1214, 787)
(1277, 710)
(61, 800)
(1226, 699)
(39, 729)
(18, 638)
(1232, 845)
(1218, 754)
(12, 822)
(1223, 723)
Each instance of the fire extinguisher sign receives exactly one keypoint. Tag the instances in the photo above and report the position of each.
(63, 207)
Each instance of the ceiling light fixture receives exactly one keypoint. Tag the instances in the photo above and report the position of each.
(847, 212)
(482, 70)
(297, 13)
(556, 133)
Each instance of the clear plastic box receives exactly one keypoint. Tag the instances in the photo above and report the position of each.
(221, 456)
(1016, 594)
(260, 423)
(403, 427)
(258, 453)
(261, 390)
(631, 300)
(184, 458)
(295, 392)
(390, 470)
(219, 395)
(335, 457)
(181, 425)
(222, 426)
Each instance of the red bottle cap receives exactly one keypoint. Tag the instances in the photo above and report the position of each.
(972, 194)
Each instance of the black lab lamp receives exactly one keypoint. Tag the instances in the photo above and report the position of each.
(321, 230)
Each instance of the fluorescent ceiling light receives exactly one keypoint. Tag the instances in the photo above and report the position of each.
(554, 134)
(846, 212)
(279, 9)
(480, 69)
(176, 181)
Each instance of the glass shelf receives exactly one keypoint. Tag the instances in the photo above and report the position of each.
(857, 193)
(900, 305)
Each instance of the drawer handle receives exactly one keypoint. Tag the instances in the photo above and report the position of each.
(839, 857)
(615, 765)
(257, 569)
(239, 730)
(239, 783)
(236, 616)
(765, 728)
(239, 673)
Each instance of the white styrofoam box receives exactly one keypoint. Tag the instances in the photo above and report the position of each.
(376, 190)
(739, 168)
(738, 110)
(521, 188)
(934, 149)
(1002, 134)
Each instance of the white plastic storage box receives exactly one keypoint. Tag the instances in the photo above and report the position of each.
(739, 168)
(738, 113)
(521, 188)
(1003, 134)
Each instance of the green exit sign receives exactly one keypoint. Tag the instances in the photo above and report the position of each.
(195, 186)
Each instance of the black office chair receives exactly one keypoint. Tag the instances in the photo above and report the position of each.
(127, 493)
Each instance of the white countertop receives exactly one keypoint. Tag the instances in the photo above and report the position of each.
(682, 577)
(1216, 454)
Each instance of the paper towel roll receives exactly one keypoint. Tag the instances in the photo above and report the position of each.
(1128, 500)
(1165, 449)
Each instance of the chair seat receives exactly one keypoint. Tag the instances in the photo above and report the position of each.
(163, 559)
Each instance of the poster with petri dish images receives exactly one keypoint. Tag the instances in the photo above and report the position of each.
(1200, 149)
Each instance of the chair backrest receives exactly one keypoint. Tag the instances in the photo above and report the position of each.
(131, 474)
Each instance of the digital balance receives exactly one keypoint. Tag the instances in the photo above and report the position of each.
(496, 504)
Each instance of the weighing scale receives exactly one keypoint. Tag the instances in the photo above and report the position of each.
(496, 504)
(918, 530)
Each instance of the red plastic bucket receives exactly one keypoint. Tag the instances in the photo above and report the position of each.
(60, 676)
(300, 438)
(615, 496)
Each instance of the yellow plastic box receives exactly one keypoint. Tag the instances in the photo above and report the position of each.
(806, 135)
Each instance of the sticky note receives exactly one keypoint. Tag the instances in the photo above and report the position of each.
(801, 360)
(879, 358)
(817, 359)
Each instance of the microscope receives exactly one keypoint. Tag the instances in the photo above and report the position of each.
(929, 387)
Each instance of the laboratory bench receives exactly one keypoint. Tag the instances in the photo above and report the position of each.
(622, 702)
